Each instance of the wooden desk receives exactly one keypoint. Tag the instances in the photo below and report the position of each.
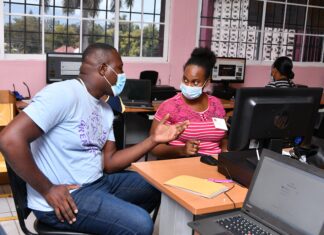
(179, 207)
(228, 104)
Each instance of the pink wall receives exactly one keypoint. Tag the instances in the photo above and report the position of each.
(16, 72)
(259, 75)
(182, 38)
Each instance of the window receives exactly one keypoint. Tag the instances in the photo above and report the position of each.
(263, 29)
(137, 28)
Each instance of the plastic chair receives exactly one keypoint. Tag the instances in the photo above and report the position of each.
(150, 75)
(19, 192)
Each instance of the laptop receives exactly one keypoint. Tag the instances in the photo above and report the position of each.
(137, 94)
(285, 197)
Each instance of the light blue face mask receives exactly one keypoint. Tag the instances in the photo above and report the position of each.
(119, 86)
(191, 92)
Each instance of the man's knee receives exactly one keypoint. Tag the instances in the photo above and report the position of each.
(141, 223)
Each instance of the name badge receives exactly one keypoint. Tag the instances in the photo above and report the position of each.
(220, 123)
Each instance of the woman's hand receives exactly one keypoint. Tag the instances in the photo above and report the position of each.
(191, 147)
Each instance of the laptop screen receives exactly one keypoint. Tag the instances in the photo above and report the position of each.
(288, 194)
(136, 90)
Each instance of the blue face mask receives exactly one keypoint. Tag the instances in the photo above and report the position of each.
(119, 86)
(190, 92)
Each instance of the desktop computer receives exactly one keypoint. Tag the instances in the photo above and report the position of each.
(273, 119)
(227, 70)
(163, 92)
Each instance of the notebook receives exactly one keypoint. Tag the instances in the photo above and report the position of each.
(196, 185)
(137, 94)
(285, 197)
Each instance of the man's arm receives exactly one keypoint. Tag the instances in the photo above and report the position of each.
(119, 160)
(162, 150)
(15, 142)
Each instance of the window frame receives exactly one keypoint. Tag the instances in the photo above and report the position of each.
(260, 61)
(43, 15)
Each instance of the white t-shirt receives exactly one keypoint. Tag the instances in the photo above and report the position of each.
(76, 126)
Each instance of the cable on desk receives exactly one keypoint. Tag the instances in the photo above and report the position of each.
(230, 187)
(229, 196)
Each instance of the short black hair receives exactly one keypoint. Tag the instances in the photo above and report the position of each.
(284, 65)
(203, 57)
(92, 48)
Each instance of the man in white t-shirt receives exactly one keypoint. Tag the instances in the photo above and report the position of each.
(63, 146)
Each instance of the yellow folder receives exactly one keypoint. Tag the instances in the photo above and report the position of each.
(196, 185)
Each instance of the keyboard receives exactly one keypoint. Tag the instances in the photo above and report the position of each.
(239, 225)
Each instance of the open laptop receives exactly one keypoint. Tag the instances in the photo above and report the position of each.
(285, 197)
(137, 94)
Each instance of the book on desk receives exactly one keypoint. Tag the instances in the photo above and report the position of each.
(199, 186)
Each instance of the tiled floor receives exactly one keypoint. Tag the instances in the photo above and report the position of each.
(7, 209)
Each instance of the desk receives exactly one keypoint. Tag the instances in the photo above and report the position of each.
(228, 104)
(177, 206)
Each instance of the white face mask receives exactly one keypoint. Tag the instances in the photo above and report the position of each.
(119, 86)
(190, 92)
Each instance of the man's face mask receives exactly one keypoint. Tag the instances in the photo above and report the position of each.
(119, 86)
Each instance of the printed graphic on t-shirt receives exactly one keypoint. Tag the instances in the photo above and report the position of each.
(92, 134)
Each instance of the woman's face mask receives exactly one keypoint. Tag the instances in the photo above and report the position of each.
(191, 92)
(119, 86)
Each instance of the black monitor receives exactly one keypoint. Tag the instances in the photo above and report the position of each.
(136, 90)
(227, 70)
(62, 66)
(273, 117)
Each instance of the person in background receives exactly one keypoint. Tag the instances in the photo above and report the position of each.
(62, 144)
(193, 104)
(281, 73)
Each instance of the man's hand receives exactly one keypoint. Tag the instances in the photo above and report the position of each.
(61, 200)
(165, 133)
(191, 147)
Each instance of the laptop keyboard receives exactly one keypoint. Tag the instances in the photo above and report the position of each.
(240, 225)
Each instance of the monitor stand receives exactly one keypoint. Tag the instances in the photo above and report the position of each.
(224, 91)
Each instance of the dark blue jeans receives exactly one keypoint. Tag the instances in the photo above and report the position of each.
(117, 203)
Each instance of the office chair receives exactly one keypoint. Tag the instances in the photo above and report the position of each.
(19, 192)
(150, 75)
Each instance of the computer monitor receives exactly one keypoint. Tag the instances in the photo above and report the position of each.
(273, 117)
(136, 90)
(62, 66)
(227, 70)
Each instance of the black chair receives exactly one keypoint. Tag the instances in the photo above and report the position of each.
(150, 75)
(19, 192)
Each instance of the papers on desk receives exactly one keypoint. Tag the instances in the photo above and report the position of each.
(196, 185)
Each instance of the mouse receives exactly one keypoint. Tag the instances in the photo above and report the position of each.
(209, 160)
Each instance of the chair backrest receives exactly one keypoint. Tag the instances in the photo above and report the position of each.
(119, 129)
(150, 75)
(19, 192)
